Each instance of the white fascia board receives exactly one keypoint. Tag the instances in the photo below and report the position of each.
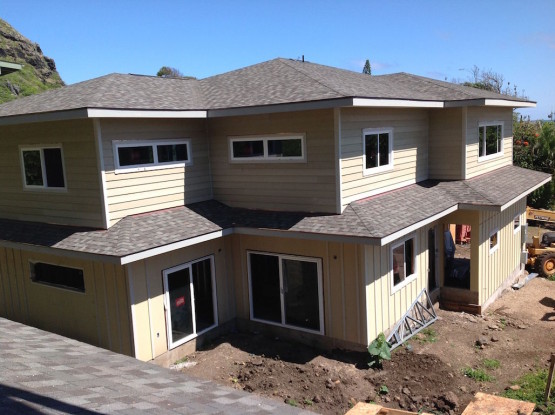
(509, 103)
(173, 246)
(43, 117)
(112, 113)
(286, 107)
(396, 103)
(417, 225)
(524, 194)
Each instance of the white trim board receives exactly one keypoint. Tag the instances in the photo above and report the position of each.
(121, 113)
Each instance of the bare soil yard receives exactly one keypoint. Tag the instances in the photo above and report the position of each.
(517, 332)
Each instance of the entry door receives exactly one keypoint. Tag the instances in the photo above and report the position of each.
(190, 300)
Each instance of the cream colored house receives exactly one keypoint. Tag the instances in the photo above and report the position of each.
(145, 214)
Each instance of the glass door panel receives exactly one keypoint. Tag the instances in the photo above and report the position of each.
(300, 292)
(265, 286)
(180, 306)
(203, 295)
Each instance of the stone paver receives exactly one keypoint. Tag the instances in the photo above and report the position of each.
(43, 373)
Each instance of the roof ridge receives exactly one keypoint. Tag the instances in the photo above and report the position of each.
(450, 86)
(284, 61)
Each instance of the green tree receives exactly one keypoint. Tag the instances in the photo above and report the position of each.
(169, 72)
(367, 68)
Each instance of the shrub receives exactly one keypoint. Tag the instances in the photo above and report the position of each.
(379, 350)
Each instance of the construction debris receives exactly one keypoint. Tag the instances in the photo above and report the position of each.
(490, 404)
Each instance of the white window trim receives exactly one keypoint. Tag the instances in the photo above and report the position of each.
(266, 158)
(171, 344)
(410, 278)
(318, 262)
(44, 187)
(496, 247)
(385, 167)
(518, 228)
(155, 165)
(501, 151)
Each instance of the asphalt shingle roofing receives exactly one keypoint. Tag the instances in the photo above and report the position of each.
(278, 81)
(371, 219)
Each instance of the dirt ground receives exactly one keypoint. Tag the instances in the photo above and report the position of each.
(518, 331)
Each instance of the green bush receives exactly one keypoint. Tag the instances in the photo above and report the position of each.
(379, 350)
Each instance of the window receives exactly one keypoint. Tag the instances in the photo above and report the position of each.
(132, 156)
(490, 139)
(271, 148)
(58, 276)
(43, 167)
(378, 149)
(516, 224)
(286, 291)
(494, 242)
(403, 257)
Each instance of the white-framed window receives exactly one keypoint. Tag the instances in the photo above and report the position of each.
(272, 148)
(494, 241)
(286, 290)
(58, 276)
(403, 263)
(490, 140)
(139, 155)
(377, 149)
(43, 167)
(516, 223)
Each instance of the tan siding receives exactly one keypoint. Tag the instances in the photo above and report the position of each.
(99, 316)
(384, 307)
(139, 192)
(445, 144)
(410, 148)
(475, 115)
(81, 203)
(305, 186)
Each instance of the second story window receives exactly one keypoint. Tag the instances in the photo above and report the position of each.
(490, 137)
(43, 167)
(378, 149)
(271, 148)
(144, 155)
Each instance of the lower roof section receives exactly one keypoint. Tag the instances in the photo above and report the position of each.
(377, 220)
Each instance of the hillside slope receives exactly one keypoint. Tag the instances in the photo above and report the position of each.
(38, 73)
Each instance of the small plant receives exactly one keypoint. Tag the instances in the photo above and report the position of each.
(491, 364)
(182, 360)
(291, 402)
(503, 323)
(234, 380)
(479, 375)
(308, 402)
(379, 350)
(428, 335)
(384, 390)
(532, 389)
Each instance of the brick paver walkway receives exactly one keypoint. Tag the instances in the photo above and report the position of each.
(44, 373)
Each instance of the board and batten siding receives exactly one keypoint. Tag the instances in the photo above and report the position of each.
(446, 144)
(147, 294)
(410, 150)
(129, 193)
(80, 204)
(276, 185)
(342, 281)
(475, 116)
(99, 316)
(496, 267)
(385, 307)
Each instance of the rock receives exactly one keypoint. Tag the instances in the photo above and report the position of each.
(522, 326)
(514, 387)
(387, 399)
(371, 396)
(493, 327)
(417, 399)
(330, 384)
(463, 389)
(397, 398)
(450, 399)
(248, 388)
(406, 391)
(481, 341)
(318, 399)
(494, 339)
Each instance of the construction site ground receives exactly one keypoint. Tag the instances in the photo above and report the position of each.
(518, 331)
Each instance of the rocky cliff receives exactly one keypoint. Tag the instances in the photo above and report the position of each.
(38, 73)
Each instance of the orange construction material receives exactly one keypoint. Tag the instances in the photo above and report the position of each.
(484, 404)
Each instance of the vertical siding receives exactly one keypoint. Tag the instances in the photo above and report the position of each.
(410, 150)
(476, 115)
(445, 144)
(383, 306)
(81, 203)
(298, 186)
(495, 268)
(138, 192)
(99, 316)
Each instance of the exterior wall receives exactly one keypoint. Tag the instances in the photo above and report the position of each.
(446, 144)
(410, 150)
(495, 268)
(384, 307)
(475, 115)
(342, 280)
(99, 316)
(298, 186)
(80, 203)
(147, 294)
(138, 192)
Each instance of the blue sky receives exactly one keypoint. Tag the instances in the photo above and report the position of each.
(439, 39)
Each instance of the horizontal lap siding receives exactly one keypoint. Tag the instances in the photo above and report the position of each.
(304, 186)
(81, 203)
(144, 191)
(496, 267)
(410, 150)
(99, 316)
(385, 307)
(446, 144)
(474, 117)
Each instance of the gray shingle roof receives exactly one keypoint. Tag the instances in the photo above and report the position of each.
(373, 218)
(277, 81)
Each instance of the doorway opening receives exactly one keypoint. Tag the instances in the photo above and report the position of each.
(457, 248)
